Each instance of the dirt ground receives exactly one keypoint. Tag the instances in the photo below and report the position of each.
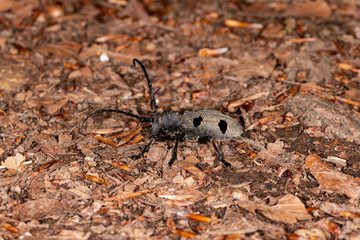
(289, 71)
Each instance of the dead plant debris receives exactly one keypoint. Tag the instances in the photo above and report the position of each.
(289, 70)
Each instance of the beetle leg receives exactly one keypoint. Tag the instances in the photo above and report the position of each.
(143, 151)
(219, 154)
(173, 158)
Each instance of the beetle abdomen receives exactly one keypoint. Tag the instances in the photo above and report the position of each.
(210, 124)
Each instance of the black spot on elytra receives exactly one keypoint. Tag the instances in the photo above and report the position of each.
(223, 126)
(197, 121)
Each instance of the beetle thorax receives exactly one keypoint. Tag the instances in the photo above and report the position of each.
(168, 121)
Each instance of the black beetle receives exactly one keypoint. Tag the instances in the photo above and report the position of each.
(203, 125)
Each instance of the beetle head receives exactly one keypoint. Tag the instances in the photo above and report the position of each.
(156, 125)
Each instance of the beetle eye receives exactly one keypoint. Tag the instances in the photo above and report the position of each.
(197, 121)
(223, 126)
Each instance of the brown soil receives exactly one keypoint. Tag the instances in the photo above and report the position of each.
(292, 66)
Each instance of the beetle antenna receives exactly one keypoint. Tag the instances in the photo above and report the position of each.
(141, 119)
(151, 90)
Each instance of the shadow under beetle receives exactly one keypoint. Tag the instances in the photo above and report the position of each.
(203, 125)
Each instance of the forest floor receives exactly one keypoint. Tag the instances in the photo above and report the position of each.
(292, 66)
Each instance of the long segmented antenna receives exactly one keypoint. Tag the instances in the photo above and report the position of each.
(141, 119)
(151, 90)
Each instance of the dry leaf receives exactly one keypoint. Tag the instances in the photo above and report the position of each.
(184, 233)
(273, 31)
(10, 228)
(289, 209)
(62, 49)
(191, 159)
(120, 165)
(54, 10)
(313, 233)
(241, 101)
(250, 206)
(302, 40)
(347, 67)
(234, 23)
(135, 10)
(91, 178)
(106, 141)
(212, 52)
(14, 162)
(84, 72)
(337, 210)
(128, 137)
(40, 208)
(265, 122)
(128, 195)
(6, 5)
(72, 235)
(331, 180)
(199, 218)
(275, 155)
(336, 160)
(55, 107)
(318, 8)
(200, 175)
(14, 74)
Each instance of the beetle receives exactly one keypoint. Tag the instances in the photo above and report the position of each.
(202, 125)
